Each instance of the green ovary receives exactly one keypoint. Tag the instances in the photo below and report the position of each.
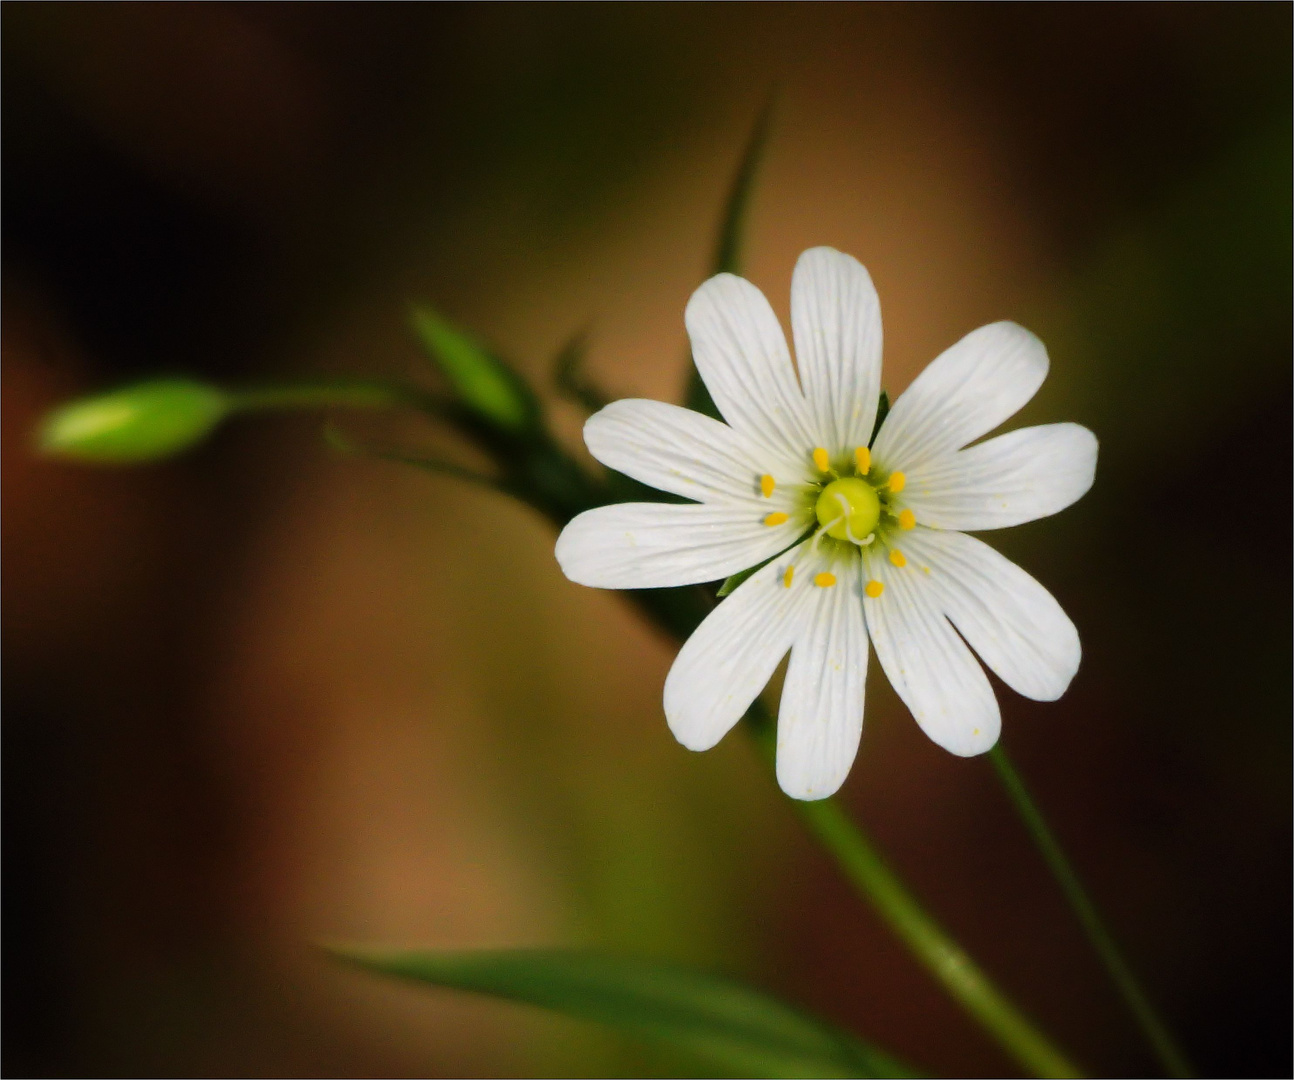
(848, 509)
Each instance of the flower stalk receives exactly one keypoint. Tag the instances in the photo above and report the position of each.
(959, 975)
(1161, 1041)
(326, 394)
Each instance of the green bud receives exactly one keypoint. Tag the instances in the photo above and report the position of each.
(483, 382)
(144, 422)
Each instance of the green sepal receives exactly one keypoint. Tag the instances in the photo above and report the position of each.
(483, 383)
(148, 421)
(729, 1024)
(736, 579)
(882, 411)
(741, 575)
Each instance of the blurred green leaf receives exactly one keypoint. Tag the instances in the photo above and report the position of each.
(483, 382)
(723, 1021)
(148, 421)
(732, 237)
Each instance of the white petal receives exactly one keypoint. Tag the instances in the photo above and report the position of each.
(964, 393)
(740, 351)
(836, 319)
(1016, 477)
(1014, 624)
(928, 665)
(680, 451)
(730, 658)
(821, 716)
(653, 545)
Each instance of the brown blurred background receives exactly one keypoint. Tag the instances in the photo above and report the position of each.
(265, 696)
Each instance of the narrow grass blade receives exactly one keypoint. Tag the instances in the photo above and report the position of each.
(732, 237)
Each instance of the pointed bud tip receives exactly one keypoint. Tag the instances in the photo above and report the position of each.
(483, 382)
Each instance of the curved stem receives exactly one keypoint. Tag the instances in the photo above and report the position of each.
(960, 976)
(1170, 1055)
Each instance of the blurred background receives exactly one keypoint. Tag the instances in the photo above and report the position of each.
(265, 696)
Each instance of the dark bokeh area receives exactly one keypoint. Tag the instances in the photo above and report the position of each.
(265, 695)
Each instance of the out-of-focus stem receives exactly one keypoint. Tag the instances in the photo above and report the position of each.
(959, 975)
(930, 944)
(326, 393)
(1170, 1055)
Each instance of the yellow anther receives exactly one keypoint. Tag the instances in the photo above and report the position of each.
(766, 485)
(777, 518)
(874, 589)
(907, 519)
(824, 580)
(898, 558)
(897, 482)
(863, 457)
(821, 460)
(786, 578)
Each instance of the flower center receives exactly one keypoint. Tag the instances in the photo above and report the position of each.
(849, 509)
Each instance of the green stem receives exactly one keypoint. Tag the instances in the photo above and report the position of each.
(327, 393)
(930, 943)
(960, 976)
(1170, 1055)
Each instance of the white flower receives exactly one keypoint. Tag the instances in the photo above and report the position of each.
(865, 543)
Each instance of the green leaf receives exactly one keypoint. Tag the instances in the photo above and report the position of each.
(732, 235)
(882, 411)
(730, 1025)
(483, 382)
(148, 421)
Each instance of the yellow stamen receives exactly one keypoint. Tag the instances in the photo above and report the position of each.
(824, 580)
(874, 589)
(766, 485)
(777, 518)
(821, 460)
(907, 519)
(897, 482)
(864, 458)
(786, 578)
(898, 558)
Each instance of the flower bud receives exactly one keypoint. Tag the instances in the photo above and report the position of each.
(145, 422)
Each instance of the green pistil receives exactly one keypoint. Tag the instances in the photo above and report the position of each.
(849, 509)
